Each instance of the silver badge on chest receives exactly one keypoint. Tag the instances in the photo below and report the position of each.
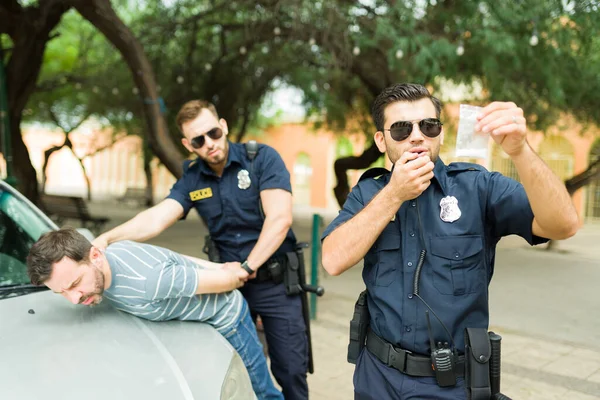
(449, 209)
(243, 179)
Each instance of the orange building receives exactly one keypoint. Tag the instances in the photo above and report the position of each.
(308, 154)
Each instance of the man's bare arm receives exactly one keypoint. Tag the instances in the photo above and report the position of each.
(218, 280)
(145, 225)
(555, 214)
(277, 205)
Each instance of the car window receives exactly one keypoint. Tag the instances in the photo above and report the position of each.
(20, 227)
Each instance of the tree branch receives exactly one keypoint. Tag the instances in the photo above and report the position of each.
(580, 180)
(342, 165)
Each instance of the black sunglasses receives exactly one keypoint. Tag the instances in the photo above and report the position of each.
(430, 127)
(214, 134)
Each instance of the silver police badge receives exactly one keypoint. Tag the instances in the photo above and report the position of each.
(243, 179)
(449, 209)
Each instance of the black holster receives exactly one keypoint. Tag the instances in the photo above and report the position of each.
(358, 327)
(478, 352)
(210, 249)
(292, 271)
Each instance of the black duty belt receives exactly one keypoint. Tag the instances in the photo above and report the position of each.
(263, 274)
(403, 360)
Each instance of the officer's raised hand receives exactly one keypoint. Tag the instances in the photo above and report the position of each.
(412, 175)
(505, 123)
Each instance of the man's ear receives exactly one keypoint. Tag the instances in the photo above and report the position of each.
(380, 141)
(187, 145)
(224, 126)
(442, 136)
(94, 254)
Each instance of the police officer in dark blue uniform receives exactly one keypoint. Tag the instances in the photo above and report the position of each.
(227, 189)
(428, 232)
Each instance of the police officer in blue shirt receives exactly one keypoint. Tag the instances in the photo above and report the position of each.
(445, 222)
(226, 188)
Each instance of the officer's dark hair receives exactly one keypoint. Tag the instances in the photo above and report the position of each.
(52, 247)
(401, 92)
(190, 110)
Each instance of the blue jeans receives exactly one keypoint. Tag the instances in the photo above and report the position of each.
(285, 333)
(244, 339)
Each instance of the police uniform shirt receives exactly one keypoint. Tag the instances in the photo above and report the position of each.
(230, 204)
(459, 262)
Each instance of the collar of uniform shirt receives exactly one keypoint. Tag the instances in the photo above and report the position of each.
(233, 155)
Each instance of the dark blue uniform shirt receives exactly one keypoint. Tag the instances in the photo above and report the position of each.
(459, 262)
(229, 208)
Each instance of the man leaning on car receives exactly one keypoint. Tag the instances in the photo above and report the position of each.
(153, 283)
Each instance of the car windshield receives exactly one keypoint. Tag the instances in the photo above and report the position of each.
(20, 227)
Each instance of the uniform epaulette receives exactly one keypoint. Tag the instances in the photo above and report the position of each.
(187, 164)
(373, 173)
(465, 166)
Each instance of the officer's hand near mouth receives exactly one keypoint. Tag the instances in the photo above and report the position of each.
(412, 175)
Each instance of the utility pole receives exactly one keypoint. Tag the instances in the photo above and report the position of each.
(5, 122)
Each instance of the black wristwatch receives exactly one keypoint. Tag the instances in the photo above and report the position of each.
(247, 268)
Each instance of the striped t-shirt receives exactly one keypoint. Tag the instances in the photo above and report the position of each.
(158, 284)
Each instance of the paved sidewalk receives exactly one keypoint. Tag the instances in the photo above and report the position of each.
(533, 367)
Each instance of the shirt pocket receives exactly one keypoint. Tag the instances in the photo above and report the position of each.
(383, 260)
(249, 201)
(457, 264)
(210, 211)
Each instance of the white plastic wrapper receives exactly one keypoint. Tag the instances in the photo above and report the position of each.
(469, 143)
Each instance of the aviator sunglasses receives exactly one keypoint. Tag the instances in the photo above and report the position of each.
(430, 127)
(214, 134)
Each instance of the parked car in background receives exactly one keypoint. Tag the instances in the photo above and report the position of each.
(51, 349)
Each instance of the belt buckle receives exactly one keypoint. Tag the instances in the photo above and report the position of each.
(397, 359)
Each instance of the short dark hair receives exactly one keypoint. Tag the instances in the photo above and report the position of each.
(51, 247)
(401, 92)
(190, 110)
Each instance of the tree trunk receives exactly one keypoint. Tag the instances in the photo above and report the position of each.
(148, 172)
(342, 165)
(30, 31)
(101, 14)
(88, 183)
(47, 154)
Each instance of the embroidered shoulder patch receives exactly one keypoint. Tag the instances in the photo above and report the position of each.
(201, 194)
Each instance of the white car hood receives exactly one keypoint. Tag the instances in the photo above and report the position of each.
(62, 351)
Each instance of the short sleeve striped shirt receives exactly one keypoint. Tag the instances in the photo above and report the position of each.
(158, 284)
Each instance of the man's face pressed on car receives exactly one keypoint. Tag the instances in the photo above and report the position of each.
(80, 283)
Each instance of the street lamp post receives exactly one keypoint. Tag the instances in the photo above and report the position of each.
(5, 123)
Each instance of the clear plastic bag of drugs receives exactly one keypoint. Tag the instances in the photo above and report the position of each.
(468, 142)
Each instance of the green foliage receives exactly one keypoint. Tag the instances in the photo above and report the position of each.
(339, 53)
